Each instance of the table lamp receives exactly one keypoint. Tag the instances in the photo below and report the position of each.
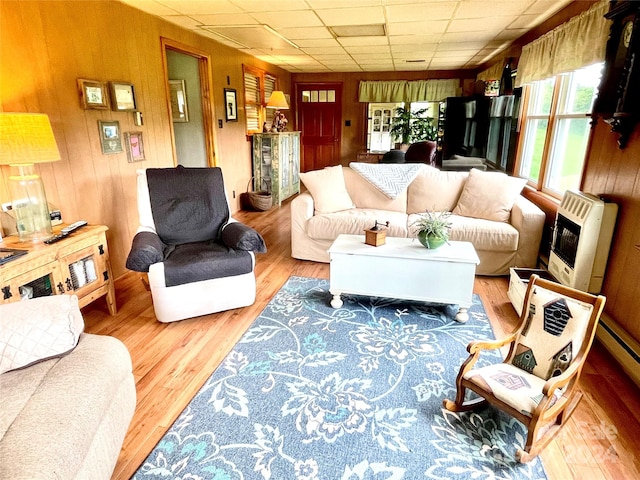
(27, 139)
(278, 101)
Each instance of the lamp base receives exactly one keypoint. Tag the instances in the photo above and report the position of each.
(29, 204)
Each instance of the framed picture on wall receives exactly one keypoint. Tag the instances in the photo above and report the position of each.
(178, 96)
(93, 94)
(230, 105)
(134, 146)
(123, 98)
(110, 139)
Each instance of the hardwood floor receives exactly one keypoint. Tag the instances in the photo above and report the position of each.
(171, 362)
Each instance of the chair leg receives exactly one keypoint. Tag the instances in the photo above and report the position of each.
(533, 446)
(459, 405)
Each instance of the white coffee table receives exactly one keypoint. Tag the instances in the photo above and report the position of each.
(403, 268)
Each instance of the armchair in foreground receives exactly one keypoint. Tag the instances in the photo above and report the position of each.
(538, 381)
(199, 260)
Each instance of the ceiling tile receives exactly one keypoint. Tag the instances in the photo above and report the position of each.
(151, 6)
(182, 20)
(356, 41)
(302, 18)
(266, 6)
(352, 16)
(312, 50)
(415, 39)
(488, 9)
(226, 19)
(371, 50)
(421, 12)
(195, 7)
(316, 42)
(297, 33)
(473, 25)
(417, 28)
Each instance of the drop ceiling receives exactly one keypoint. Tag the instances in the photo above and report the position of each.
(360, 35)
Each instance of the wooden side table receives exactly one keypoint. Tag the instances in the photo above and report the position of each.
(78, 264)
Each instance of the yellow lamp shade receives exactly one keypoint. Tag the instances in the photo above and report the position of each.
(26, 138)
(277, 100)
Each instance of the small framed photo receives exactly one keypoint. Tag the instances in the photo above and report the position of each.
(134, 146)
(178, 96)
(110, 139)
(230, 105)
(93, 94)
(123, 98)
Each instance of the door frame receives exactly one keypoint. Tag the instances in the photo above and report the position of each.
(298, 88)
(206, 95)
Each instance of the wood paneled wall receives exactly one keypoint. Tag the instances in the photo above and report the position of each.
(615, 175)
(46, 45)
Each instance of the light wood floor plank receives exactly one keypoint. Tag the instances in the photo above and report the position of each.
(172, 361)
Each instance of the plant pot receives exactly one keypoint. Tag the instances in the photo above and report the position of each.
(430, 241)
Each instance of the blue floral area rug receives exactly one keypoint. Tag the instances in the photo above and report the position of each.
(316, 393)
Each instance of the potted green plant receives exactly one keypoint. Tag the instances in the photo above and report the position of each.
(433, 228)
(409, 127)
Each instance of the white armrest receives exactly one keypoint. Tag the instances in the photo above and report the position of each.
(529, 220)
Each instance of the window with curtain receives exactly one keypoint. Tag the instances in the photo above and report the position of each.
(555, 129)
(258, 86)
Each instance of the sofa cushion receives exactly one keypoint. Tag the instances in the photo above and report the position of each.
(328, 226)
(365, 195)
(328, 189)
(489, 195)
(484, 234)
(38, 329)
(434, 190)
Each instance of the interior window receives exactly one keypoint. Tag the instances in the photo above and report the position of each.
(380, 119)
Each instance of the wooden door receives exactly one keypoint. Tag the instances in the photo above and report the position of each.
(320, 120)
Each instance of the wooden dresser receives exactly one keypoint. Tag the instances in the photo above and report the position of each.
(78, 264)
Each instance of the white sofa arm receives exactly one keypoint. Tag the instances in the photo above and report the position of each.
(302, 210)
(529, 220)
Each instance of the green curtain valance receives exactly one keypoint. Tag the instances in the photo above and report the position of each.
(578, 43)
(408, 90)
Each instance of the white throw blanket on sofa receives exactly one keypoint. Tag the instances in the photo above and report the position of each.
(390, 178)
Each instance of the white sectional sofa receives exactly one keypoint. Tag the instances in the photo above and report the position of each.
(487, 210)
(67, 397)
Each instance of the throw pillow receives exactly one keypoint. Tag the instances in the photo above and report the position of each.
(38, 329)
(328, 189)
(489, 195)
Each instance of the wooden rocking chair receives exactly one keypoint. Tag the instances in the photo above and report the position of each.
(537, 382)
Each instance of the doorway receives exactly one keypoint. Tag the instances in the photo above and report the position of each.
(188, 85)
(320, 114)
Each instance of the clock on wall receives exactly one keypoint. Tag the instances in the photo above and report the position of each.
(618, 100)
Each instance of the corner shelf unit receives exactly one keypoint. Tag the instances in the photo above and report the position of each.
(276, 164)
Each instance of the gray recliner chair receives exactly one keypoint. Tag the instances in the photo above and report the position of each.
(199, 260)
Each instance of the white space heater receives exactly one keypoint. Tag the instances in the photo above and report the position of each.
(581, 240)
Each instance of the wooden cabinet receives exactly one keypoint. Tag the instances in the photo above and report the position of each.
(369, 157)
(276, 164)
(78, 264)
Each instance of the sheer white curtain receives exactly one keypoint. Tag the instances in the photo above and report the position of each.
(408, 91)
(575, 44)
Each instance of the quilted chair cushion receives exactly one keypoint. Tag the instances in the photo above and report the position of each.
(515, 387)
(38, 329)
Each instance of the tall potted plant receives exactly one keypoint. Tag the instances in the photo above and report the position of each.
(408, 127)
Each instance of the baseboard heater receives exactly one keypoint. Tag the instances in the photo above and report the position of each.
(623, 348)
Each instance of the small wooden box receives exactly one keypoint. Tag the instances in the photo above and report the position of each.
(375, 237)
